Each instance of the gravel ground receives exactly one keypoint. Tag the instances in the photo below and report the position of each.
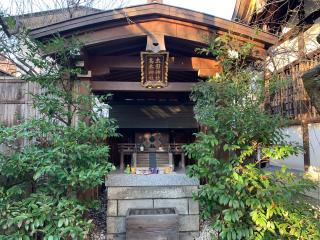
(206, 231)
(99, 219)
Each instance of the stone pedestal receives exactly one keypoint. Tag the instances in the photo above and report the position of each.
(151, 191)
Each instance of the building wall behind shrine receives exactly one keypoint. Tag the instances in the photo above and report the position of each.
(314, 135)
(295, 134)
(296, 163)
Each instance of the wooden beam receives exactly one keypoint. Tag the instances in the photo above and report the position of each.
(120, 49)
(99, 64)
(136, 86)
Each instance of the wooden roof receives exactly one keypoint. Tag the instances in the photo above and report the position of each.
(185, 24)
(242, 11)
(272, 15)
(45, 18)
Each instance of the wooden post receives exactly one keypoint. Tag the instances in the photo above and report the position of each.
(134, 159)
(83, 87)
(183, 161)
(306, 146)
(121, 161)
(170, 159)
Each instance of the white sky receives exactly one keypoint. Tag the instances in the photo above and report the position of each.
(219, 8)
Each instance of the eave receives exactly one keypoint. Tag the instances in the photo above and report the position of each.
(146, 12)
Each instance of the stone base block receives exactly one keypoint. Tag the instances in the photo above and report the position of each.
(188, 235)
(116, 236)
(116, 225)
(125, 192)
(180, 204)
(189, 223)
(150, 192)
(124, 205)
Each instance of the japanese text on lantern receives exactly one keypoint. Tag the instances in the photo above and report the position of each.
(154, 69)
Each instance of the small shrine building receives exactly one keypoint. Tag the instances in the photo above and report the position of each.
(145, 57)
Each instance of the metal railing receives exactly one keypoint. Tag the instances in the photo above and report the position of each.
(134, 147)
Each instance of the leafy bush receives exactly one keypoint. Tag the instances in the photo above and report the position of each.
(53, 159)
(242, 200)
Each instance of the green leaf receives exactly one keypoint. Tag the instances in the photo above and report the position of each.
(60, 222)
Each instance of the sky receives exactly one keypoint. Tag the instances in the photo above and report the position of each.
(219, 8)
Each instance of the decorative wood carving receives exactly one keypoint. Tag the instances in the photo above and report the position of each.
(152, 140)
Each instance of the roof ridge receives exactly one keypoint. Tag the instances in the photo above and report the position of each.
(41, 13)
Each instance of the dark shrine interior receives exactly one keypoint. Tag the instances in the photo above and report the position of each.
(163, 113)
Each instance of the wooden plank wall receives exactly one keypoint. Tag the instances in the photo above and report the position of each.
(15, 100)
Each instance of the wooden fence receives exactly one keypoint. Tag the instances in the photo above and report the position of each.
(15, 100)
(292, 100)
(16, 103)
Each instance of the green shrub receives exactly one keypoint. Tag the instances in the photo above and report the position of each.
(243, 201)
(64, 151)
